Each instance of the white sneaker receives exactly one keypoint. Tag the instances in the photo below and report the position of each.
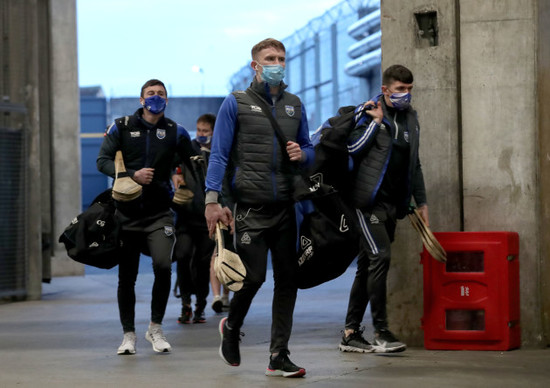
(158, 340)
(128, 345)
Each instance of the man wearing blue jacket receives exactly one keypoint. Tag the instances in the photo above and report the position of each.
(261, 184)
(387, 175)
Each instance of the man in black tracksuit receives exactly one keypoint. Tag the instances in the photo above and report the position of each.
(245, 144)
(194, 247)
(387, 175)
(150, 144)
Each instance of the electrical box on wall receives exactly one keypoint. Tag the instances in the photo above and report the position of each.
(471, 302)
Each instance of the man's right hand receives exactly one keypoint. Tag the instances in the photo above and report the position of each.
(144, 176)
(214, 213)
(375, 110)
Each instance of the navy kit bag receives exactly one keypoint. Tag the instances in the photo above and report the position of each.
(329, 232)
(93, 237)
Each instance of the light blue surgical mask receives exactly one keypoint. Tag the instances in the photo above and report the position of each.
(155, 104)
(204, 140)
(400, 101)
(272, 74)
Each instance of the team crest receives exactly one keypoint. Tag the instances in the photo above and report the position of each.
(406, 135)
(161, 133)
(135, 134)
(168, 231)
(255, 108)
(289, 109)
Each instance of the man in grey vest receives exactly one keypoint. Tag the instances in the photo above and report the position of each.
(260, 178)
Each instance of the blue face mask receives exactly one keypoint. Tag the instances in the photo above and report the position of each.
(400, 101)
(155, 104)
(204, 139)
(272, 74)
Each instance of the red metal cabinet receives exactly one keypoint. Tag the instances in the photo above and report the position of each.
(472, 301)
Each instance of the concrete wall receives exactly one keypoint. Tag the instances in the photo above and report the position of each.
(476, 93)
(65, 140)
(436, 98)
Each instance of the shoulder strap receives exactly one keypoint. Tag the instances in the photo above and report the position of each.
(278, 131)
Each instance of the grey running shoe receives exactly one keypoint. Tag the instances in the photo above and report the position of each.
(386, 342)
(355, 343)
(282, 366)
(156, 337)
(128, 345)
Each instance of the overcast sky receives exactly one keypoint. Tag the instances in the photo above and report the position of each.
(123, 43)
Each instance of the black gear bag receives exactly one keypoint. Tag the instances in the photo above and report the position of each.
(93, 237)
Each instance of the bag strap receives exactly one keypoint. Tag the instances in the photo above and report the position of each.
(276, 127)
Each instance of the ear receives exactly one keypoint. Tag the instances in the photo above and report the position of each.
(254, 65)
(141, 101)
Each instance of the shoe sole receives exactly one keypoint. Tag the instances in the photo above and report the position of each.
(278, 373)
(383, 349)
(220, 329)
(126, 352)
(353, 349)
(165, 350)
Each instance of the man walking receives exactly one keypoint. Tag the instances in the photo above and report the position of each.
(261, 177)
(149, 143)
(384, 148)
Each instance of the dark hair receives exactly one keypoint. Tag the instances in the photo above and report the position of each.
(397, 73)
(153, 82)
(269, 42)
(208, 118)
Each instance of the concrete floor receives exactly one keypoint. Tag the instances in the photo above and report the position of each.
(69, 339)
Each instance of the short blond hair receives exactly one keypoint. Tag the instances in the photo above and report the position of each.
(269, 42)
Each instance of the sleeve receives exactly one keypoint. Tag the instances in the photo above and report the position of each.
(111, 144)
(304, 141)
(222, 143)
(362, 136)
(419, 188)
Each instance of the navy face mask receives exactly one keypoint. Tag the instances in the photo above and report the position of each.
(204, 139)
(155, 104)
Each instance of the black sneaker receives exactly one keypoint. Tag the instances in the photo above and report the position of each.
(386, 342)
(355, 343)
(198, 316)
(282, 366)
(217, 304)
(229, 347)
(186, 314)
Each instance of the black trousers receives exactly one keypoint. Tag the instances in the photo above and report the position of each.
(156, 238)
(193, 253)
(259, 229)
(373, 263)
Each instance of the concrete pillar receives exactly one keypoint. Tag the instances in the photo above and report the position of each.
(480, 93)
(64, 97)
(435, 97)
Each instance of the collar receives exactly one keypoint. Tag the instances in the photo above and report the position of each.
(263, 89)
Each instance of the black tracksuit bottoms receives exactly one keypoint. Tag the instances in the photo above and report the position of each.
(373, 263)
(155, 238)
(260, 228)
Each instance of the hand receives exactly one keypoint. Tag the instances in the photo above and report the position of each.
(376, 111)
(144, 176)
(177, 180)
(423, 210)
(214, 213)
(294, 151)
